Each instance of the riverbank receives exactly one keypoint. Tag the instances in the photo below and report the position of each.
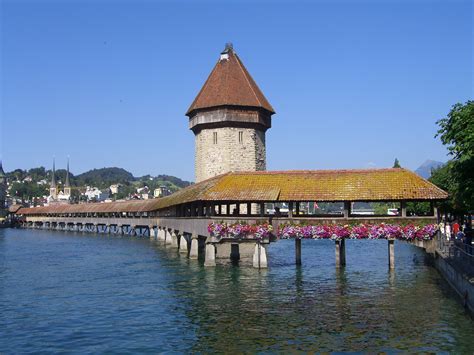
(460, 281)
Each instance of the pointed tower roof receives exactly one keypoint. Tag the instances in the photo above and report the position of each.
(67, 184)
(2, 173)
(229, 84)
(53, 177)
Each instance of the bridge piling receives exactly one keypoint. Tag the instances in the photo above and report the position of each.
(340, 253)
(391, 254)
(298, 251)
(174, 239)
(159, 234)
(193, 252)
(168, 240)
(260, 256)
(183, 244)
(210, 258)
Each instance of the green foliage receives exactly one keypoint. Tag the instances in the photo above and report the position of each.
(37, 174)
(28, 190)
(381, 208)
(457, 177)
(418, 208)
(104, 177)
(124, 192)
(396, 163)
(457, 131)
(16, 175)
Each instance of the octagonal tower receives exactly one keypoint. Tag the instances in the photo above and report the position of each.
(229, 118)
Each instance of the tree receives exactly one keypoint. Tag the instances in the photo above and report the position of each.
(396, 163)
(457, 177)
(457, 131)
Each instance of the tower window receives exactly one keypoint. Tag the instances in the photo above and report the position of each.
(214, 135)
(241, 136)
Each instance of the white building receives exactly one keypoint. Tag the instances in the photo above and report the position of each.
(93, 193)
(115, 189)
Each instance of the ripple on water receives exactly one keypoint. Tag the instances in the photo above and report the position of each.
(87, 293)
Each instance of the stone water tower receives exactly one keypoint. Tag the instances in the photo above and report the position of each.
(229, 118)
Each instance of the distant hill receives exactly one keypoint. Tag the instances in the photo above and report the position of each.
(105, 176)
(424, 170)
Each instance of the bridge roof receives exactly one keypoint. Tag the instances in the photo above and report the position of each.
(274, 186)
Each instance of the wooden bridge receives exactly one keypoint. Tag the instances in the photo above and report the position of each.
(181, 220)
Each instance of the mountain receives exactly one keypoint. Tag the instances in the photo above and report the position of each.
(424, 170)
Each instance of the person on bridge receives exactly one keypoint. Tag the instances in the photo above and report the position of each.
(456, 227)
(468, 237)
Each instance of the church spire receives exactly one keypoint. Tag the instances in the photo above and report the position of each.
(67, 184)
(53, 177)
(2, 173)
(53, 190)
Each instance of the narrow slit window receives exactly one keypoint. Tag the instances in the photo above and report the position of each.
(215, 137)
(241, 136)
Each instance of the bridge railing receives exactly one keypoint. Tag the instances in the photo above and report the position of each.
(461, 255)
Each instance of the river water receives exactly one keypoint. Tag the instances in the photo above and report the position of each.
(73, 292)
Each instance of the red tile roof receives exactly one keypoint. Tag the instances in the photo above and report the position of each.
(315, 185)
(229, 84)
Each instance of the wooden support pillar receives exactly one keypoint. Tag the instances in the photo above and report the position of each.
(403, 207)
(340, 253)
(298, 251)
(434, 210)
(249, 208)
(219, 209)
(193, 253)
(210, 259)
(391, 254)
(262, 209)
(290, 209)
(237, 208)
(347, 209)
(297, 208)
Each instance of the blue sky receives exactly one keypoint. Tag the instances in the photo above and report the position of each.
(354, 83)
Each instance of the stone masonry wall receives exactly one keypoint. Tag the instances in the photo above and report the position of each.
(228, 154)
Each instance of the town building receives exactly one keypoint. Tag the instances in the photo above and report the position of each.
(94, 194)
(161, 191)
(115, 188)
